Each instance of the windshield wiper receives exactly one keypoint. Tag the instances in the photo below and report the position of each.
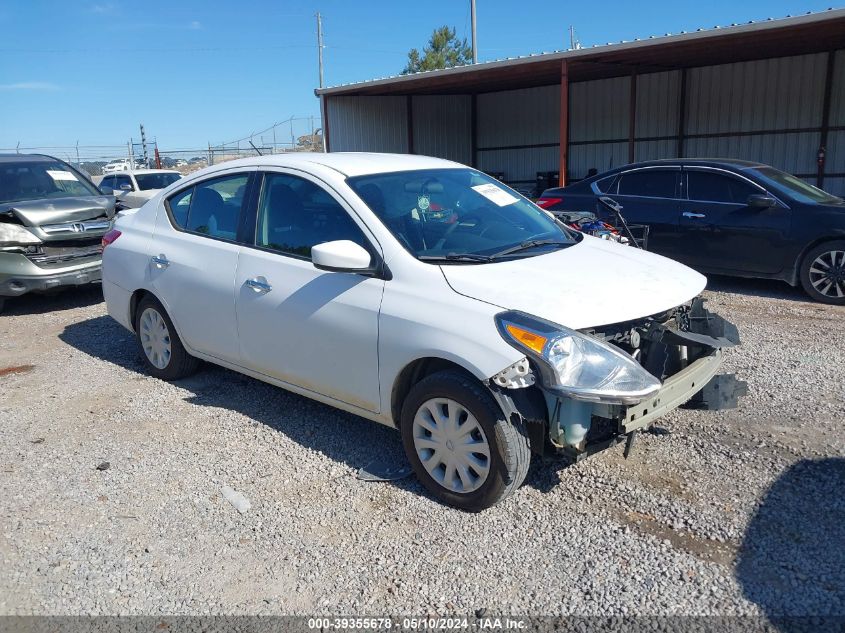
(455, 257)
(529, 244)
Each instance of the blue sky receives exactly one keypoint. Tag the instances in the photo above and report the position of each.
(211, 71)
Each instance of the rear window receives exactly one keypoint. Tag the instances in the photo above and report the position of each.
(155, 181)
(653, 183)
(37, 181)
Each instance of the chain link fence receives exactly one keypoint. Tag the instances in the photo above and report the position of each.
(295, 134)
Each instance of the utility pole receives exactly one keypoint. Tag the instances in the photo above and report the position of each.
(474, 44)
(574, 44)
(320, 45)
(144, 147)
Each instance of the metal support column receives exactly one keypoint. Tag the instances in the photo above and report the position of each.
(564, 122)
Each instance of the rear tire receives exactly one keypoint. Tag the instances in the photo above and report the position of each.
(2, 303)
(823, 272)
(459, 443)
(161, 348)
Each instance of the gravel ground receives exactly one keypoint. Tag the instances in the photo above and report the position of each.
(225, 495)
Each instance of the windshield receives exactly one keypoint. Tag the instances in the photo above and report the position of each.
(458, 214)
(155, 181)
(795, 187)
(35, 181)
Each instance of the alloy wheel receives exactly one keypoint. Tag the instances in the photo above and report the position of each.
(827, 274)
(155, 338)
(451, 445)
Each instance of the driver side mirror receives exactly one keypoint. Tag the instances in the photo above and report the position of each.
(761, 201)
(108, 191)
(341, 256)
(126, 187)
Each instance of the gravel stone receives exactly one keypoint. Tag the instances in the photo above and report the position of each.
(736, 512)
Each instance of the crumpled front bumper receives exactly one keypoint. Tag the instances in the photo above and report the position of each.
(676, 390)
(18, 275)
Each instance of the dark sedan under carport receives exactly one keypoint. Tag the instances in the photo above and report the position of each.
(727, 217)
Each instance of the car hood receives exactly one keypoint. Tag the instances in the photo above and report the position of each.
(593, 283)
(54, 210)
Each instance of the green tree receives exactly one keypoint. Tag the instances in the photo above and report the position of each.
(444, 50)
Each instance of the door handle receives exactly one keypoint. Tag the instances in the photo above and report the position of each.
(259, 286)
(160, 261)
(689, 214)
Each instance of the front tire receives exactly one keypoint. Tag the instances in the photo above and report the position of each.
(161, 348)
(823, 272)
(459, 443)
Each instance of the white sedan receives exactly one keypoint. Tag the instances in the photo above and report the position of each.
(421, 294)
(134, 187)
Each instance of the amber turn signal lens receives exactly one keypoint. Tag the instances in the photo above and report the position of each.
(530, 339)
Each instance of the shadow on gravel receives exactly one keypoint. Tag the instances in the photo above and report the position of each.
(341, 436)
(792, 559)
(53, 302)
(767, 288)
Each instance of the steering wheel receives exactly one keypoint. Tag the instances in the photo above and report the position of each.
(454, 226)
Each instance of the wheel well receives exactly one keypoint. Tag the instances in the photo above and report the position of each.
(412, 374)
(799, 261)
(133, 304)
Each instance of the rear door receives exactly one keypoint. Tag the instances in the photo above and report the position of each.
(314, 329)
(194, 259)
(718, 229)
(651, 196)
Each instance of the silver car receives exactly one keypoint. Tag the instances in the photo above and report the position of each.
(52, 219)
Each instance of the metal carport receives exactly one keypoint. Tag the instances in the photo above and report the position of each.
(772, 91)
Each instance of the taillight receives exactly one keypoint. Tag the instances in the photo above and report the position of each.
(546, 203)
(110, 237)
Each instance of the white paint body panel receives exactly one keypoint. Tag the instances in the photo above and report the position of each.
(344, 338)
(593, 283)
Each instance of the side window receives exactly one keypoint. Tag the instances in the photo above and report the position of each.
(107, 181)
(708, 186)
(119, 181)
(295, 214)
(215, 206)
(607, 185)
(179, 206)
(654, 183)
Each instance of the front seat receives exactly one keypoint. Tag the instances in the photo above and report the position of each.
(287, 225)
(208, 212)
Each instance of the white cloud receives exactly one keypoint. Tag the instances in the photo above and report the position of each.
(29, 85)
(195, 26)
(106, 7)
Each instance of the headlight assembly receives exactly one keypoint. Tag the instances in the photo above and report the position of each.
(577, 365)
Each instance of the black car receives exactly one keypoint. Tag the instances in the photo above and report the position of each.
(728, 217)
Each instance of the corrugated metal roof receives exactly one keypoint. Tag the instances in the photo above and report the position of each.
(585, 53)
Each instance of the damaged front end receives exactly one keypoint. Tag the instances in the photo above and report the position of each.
(45, 244)
(664, 361)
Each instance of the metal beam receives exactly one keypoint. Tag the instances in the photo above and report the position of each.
(632, 116)
(682, 112)
(473, 116)
(825, 127)
(409, 114)
(564, 122)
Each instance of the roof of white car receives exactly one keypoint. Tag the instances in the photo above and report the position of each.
(139, 172)
(347, 163)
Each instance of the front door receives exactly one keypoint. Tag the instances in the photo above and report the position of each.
(313, 329)
(194, 259)
(719, 231)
